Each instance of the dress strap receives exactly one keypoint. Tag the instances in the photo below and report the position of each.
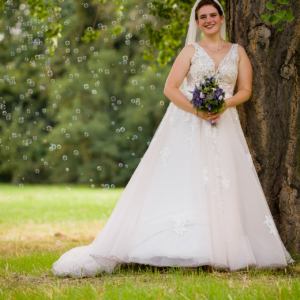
(236, 51)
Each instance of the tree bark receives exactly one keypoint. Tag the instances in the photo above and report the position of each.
(271, 118)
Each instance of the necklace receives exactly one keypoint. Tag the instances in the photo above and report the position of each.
(213, 49)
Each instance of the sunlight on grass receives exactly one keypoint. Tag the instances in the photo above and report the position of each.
(39, 223)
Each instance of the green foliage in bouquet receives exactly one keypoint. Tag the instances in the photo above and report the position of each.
(208, 96)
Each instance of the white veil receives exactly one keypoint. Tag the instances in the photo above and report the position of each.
(194, 33)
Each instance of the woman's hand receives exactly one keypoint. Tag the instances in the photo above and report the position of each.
(214, 117)
(203, 115)
(210, 116)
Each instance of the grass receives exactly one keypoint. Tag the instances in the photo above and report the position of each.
(39, 223)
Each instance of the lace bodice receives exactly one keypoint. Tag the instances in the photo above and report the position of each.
(202, 63)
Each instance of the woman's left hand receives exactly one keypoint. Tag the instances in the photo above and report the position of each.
(214, 117)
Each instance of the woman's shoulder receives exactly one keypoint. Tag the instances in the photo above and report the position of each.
(189, 50)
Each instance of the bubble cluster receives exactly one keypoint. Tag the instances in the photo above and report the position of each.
(67, 105)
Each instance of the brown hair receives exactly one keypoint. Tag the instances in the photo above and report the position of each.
(208, 2)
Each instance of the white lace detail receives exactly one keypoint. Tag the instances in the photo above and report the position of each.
(235, 113)
(179, 226)
(162, 123)
(202, 63)
(194, 123)
(212, 135)
(271, 224)
(205, 176)
(225, 181)
(174, 118)
(249, 157)
(166, 152)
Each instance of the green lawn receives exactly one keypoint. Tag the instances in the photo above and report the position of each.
(39, 223)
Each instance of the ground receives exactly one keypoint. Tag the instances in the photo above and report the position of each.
(39, 223)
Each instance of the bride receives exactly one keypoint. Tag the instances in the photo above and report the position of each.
(195, 198)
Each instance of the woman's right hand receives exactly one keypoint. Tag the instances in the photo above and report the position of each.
(208, 116)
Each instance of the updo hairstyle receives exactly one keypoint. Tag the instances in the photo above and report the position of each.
(207, 2)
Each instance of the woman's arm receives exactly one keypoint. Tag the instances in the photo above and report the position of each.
(176, 77)
(244, 84)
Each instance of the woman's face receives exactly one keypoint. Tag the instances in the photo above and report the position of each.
(209, 20)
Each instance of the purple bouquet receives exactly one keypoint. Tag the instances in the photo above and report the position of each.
(208, 96)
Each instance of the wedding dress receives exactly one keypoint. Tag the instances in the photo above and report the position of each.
(194, 199)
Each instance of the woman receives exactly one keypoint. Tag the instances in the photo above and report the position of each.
(195, 198)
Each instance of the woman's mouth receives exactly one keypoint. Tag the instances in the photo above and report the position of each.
(209, 26)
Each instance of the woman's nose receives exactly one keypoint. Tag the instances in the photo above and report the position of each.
(208, 20)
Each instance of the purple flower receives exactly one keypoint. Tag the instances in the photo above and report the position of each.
(219, 92)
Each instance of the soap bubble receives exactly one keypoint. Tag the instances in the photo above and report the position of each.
(76, 152)
(65, 157)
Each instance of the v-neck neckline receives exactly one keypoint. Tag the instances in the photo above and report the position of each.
(216, 71)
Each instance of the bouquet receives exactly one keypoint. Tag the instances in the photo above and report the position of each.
(208, 96)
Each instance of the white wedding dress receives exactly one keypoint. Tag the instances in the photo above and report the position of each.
(195, 198)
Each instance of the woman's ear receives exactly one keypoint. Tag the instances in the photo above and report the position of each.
(222, 19)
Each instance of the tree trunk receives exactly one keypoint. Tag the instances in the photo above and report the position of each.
(271, 118)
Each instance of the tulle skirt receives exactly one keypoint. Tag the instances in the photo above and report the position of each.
(194, 199)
